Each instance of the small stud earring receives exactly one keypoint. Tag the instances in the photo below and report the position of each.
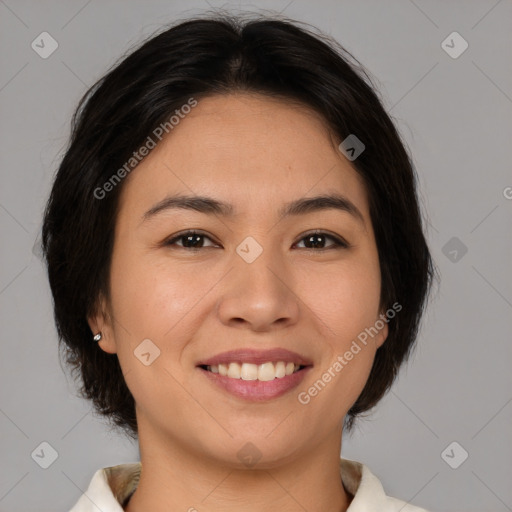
(97, 337)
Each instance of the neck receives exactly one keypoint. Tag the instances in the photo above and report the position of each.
(176, 477)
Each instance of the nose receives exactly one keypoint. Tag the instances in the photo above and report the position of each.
(260, 295)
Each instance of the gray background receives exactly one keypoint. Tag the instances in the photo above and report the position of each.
(455, 115)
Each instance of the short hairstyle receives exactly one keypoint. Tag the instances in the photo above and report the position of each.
(216, 55)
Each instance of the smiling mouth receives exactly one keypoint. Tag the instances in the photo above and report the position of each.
(247, 371)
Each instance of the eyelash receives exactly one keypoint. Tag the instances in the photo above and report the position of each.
(339, 243)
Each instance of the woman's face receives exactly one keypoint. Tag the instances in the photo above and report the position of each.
(252, 280)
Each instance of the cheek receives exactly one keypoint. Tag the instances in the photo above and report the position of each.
(152, 295)
(345, 297)
(150, 301)
(345, 300)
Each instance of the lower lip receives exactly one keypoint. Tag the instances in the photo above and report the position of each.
(256, 390)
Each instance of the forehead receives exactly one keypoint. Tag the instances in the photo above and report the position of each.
(246, 149)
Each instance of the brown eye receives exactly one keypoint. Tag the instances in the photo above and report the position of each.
(190, 240)
(317, 239)
(194, 240)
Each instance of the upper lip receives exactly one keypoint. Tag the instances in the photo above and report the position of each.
(248, 355)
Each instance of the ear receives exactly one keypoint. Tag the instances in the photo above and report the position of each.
(383, 333)
(100, 322)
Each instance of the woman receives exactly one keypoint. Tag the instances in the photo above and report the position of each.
(238, 265)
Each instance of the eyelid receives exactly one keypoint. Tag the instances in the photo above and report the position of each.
(188, 232)
(339, 242)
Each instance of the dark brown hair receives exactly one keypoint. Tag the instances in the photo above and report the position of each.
(201, 57)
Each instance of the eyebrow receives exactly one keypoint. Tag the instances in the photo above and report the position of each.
(211, 206)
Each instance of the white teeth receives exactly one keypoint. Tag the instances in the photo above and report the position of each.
(280, 370)
(234, 370)
(266, 372)
(247, 371)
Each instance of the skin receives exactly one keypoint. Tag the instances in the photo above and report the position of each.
(256, 153)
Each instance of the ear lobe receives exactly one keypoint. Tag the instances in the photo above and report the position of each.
(382, 336)
(99, 323)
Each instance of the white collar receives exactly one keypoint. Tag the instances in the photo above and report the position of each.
(110, 487)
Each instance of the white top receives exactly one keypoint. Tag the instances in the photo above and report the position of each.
(111, 488)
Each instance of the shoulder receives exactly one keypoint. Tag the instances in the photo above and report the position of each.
(396, 505)
(368, 492)
(109, 488)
